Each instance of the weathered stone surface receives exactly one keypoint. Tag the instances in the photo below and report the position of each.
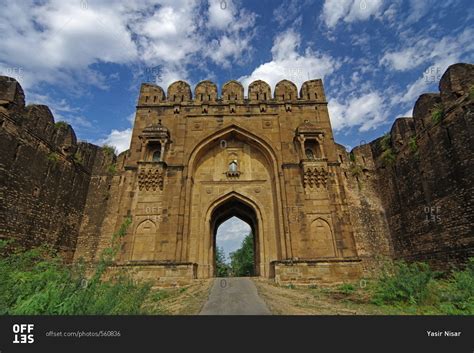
(423, 110)
(11, 94)
(365, 207)
(403, 129)
(458, 80)
(317, 272)
(426, 193)
(44, 175)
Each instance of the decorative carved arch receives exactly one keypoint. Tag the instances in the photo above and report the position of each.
(264, 145)
(245, 199)
(144, 236)
(323, 238)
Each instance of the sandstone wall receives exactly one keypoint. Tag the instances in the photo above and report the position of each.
(44, 174)
(366, 209)
(417, 182)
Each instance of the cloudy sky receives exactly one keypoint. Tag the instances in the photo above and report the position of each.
(87, 58)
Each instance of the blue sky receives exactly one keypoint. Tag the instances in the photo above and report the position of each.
(87, 58)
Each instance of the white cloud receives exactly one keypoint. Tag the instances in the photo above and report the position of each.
(57, 41)
(349, 10)
(412, 91)
(119, 139)
(236, 28)
(287, 63)
(368, 111)
(68, 38)
(231, 233)
(429, 49)
(226, 47)
(221, 14)
(61, 110)
(289, 12)
(418, 9)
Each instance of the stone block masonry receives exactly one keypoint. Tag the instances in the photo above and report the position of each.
(419, 179)
(45, 174)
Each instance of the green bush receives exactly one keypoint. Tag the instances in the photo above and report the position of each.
(457, 296)
(112, 169)
(222, 268)
(388, 157)
(356, 170)
(352, 157)
(418, 289)
(242, 260)
(403, 283)
(386, 141)
(346, 288)
(78, 158)
(109, 150)
(437, 113)
(37, 282)
(61, 125)
(53, 157)
(413, 145)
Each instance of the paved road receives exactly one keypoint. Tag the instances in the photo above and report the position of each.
(234, 296)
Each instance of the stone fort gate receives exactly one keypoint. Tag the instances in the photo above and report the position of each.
(197, 160)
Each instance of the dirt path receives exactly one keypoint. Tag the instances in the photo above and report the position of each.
(184, 301)
(234, 296)
(306, 301)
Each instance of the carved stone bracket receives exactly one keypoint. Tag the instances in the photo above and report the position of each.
(315, 174)
(152, 178)
(314, 178)
(233, 174)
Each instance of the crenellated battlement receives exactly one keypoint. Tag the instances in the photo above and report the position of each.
(206, 92)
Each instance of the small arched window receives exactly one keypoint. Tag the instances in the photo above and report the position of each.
(156, 156)
(233, 168)
(312, 150)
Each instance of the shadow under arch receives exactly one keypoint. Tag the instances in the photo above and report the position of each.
(243, 207)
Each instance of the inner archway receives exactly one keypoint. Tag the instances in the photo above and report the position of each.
(235, 209)
(234, 249)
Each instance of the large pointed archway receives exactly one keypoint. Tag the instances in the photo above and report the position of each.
(233, 163)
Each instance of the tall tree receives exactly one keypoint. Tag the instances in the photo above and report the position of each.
(242, 260)
(222, 269)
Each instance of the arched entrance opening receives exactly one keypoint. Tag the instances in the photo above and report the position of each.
(234, 207)
(234, 249)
